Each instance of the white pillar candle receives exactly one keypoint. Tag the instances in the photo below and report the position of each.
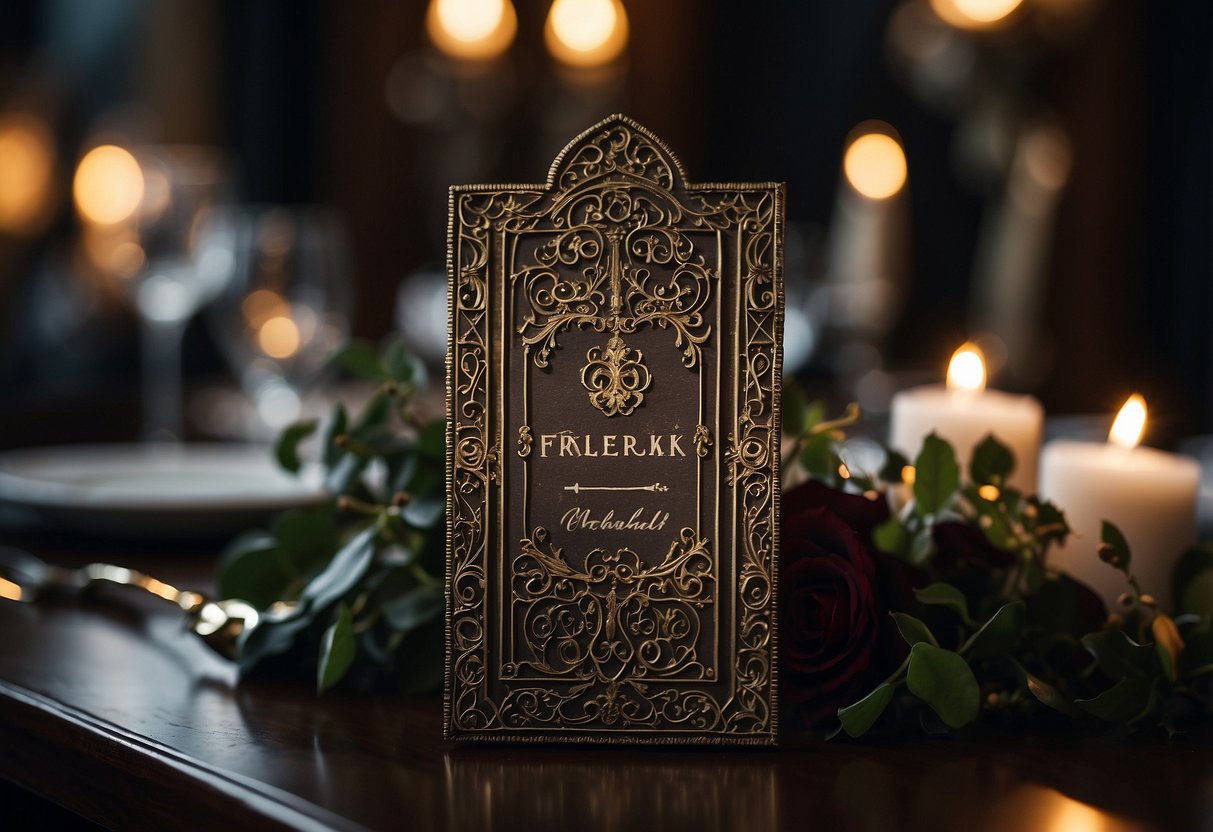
(963, 412)
(1148, 494)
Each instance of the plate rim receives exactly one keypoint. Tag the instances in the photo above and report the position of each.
(20, 488)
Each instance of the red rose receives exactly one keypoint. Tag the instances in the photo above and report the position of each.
(833, 620)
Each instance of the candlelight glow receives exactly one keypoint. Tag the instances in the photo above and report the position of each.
(1130, 423)
(875, 165)
(108, 185)
(967, 369)
(27, 161)
(586, 33)
(974, 14)
(472, 29)
(278, 337)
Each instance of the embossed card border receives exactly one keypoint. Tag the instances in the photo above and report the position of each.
(481, 217)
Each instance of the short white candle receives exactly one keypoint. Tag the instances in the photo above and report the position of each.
(1149, 494)
(963, 412)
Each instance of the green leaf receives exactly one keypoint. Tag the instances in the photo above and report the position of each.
(943, 680)
(415, 607)
(1045, 521)
(912, 629)
(993, 519)
(936, 476)
(1046, 694)
(336, 650)
(360, 358)
(306, 536)
(819, 459)
(992, 462)
(1192, 582)
(271, 637)
(402, 366)
(815, 415)
(859, 717)
(922, 545)
(999, 635)
(944, 595)
(795, 410)
(1118, 655)
(252, 568)
(1123, 700)
(890, 536)
(345, 570)
(424, 512)
(1111, 536)
(342, 475)
(287, 449)
(377, 413)
(337, 426)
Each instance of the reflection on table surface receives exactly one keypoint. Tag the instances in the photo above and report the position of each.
(123, 670)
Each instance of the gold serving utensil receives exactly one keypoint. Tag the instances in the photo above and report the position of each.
(219, 623)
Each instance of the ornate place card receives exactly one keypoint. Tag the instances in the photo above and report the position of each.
(613, 451)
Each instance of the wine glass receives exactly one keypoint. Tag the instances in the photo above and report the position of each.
(149, 252)
(286, 302)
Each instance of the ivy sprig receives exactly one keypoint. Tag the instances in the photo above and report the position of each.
(354, 587)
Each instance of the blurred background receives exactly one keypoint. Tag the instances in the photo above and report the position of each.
(207, 197)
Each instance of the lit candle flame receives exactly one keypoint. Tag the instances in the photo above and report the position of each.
(472, 29)
(967, 369)
(1130, 423)
(975, 14)
(586, 33)
(874, 163)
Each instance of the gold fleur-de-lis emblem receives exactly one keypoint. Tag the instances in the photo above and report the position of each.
(615, 377)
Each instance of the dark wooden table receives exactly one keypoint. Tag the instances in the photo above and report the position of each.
(108, 708)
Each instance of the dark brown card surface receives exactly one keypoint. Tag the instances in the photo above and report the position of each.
(613, 451)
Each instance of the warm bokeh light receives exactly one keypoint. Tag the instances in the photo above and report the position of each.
(974, 14)
(10, 590)
(108, 185)
(989, 492)
(262, 305)
(278, 337)
(27, 163)
(586, 33)
(471, 29)
(114, 250)
(967, 369)
(1130, 423)
(875, 164)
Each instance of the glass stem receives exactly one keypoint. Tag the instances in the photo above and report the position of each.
(162, 408)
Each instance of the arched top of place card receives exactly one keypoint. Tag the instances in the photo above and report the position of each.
(616, 146)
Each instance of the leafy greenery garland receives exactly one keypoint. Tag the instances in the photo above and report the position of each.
(355, 588)
(1007, 644)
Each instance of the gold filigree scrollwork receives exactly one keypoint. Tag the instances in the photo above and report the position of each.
(525, 441)
(702, 440)
(615, 377)
(614, 617)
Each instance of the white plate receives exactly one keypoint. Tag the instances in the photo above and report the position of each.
(190, 490)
